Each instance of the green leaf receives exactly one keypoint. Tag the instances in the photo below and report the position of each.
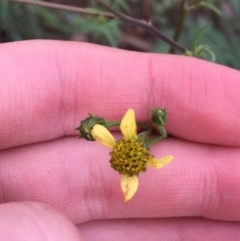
(206, 5)
(54, 21)
(199, 34)
(8, 20)
(188, 53)
(212, 55)
(201, 50)
(211, 6)
(33, 20)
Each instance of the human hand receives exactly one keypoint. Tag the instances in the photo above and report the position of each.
(47, 87)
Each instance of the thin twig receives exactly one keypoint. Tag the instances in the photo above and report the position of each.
(64, 7)
(148, 26)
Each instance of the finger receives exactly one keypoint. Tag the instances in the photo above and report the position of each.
(47, 87)
(186, 229)
(33, 222)
(75, 177)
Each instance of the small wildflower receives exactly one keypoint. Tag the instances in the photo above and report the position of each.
(159, 116)
(129, 156)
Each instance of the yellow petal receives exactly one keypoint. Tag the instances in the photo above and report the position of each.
(159, 163)
(129, 186)
(102, 135)
(128, 125)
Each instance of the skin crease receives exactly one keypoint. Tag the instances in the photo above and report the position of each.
(47, 87)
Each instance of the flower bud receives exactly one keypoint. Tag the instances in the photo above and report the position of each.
(159, 116)
(87, 125)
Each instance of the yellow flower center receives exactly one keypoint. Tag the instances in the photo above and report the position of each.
(129, 157)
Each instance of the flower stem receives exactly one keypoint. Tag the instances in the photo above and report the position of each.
(143, 125)
(110, 124)
(148, 143)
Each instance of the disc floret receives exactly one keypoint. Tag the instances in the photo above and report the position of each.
(129, 157)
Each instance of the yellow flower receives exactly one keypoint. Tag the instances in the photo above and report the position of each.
(128, 156)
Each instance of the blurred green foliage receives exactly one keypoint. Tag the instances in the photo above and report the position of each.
(223, 36)
(22, 21)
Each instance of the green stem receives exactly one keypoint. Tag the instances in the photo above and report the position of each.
(143, 125)
(179, 25)
(142, 136)
(162, 135)
(110, 124)
(154, 140)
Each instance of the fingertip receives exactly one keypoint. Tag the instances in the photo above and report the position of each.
(35, 221)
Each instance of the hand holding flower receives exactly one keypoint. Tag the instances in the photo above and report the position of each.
(46, 87)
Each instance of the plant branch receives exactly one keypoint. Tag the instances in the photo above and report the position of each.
(64, 7)
(148, 26)
(179, 25)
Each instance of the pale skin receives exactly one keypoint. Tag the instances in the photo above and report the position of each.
(47, 87)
